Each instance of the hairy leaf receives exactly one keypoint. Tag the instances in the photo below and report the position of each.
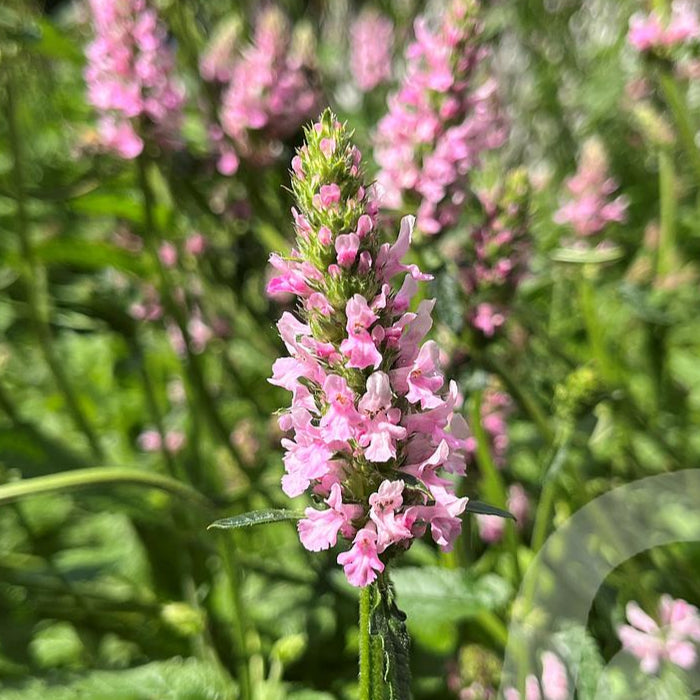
(255, 517)
(485, 509)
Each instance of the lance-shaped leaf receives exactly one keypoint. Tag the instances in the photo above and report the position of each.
(256, 517)
(485, 509)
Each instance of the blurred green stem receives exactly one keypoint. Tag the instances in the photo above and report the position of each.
(35, 280)
(679, 110)
(100, 476)
(667, 228)
(546, 502)
(594, 328)
(203, 400)
(239, 619)
(527, 402)
(494, 487)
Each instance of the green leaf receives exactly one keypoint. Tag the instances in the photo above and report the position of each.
(389, 624)
(175, 679)
(256, 517)
(485, 509)
(432, 596)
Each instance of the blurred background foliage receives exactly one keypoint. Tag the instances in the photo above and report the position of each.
(110, 584)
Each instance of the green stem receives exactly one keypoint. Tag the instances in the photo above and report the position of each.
(493, 485)
(204, 401)
(101, 476)
(527, 402)
(667, 228)
(365, 644)
(34, 277)
(152, 401)
(680, 112)
(594, 329)
(239, 625)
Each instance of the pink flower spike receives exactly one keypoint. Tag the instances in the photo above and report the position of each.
(361, 562)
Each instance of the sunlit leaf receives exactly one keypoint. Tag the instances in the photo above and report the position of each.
(256, 517)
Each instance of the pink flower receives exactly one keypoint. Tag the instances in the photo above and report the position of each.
(672, 640)
(149, 440)
(491, 527)
(424, 377)
(554, 681)
(361, 562)
(346, 247)
(319, 530)
(555, 684)
(174, 441)
(167, 254)
(341, 415)
(359, 347)
(269, 90)
(384, 504)
(487, 319)
(328, 196)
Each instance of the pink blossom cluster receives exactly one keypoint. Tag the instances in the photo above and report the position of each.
(371, 45)
(590, 208)
(440, 122)
(652, 32)
(672, 640)
(494, 260)
(130, 77)
(553, 685)
(372, 425)
(268, 91)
